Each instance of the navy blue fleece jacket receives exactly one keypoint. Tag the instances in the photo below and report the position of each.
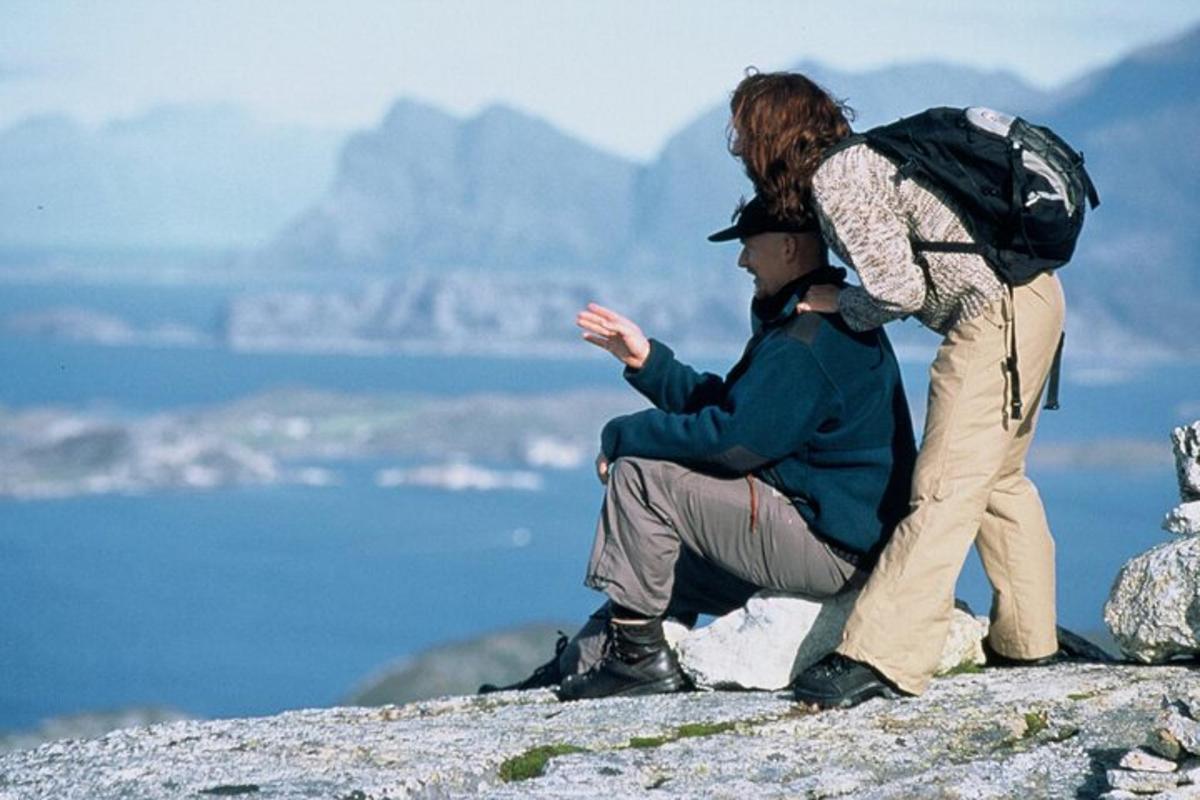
(814, 409)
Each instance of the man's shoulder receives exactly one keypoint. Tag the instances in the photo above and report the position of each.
(827, 336)
(803, 327)
(812, 328)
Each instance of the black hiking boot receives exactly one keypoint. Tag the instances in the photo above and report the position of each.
(1072, 648)
(547, 674)
(840, 682)
(637, 661)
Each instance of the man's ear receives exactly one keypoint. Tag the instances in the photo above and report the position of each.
(791, 248)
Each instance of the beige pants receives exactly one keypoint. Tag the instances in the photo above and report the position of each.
(970, 486)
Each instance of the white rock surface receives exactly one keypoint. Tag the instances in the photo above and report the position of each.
(964, 642)
(1142, 782)
(767, 642)
(1183, 519)
(1187, 460)
(675, 632)
(966, 737)
(1153, 610)
(1142, 761)
(1183, 730)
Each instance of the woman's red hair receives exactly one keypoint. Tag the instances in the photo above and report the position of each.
(780, 126)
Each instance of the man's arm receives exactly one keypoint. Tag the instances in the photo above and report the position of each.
(650, 366)
(773, 408)
(672, 385)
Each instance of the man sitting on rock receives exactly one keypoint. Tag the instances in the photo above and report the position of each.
(789, 473)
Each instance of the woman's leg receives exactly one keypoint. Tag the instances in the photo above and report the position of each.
(1014, 538)
(900, 620)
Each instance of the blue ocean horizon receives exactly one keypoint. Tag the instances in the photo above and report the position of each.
(252, 600)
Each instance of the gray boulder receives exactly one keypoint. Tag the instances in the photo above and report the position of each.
(1153, 610)
(771, 639)
(1187, 460)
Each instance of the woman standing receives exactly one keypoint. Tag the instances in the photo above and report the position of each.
(970, 483)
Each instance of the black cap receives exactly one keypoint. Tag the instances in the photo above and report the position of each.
(753, 218)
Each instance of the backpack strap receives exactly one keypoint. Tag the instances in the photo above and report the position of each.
(844, 144)
(948, 247)
(1092, 195)
(1010, 363)
(1055, 372)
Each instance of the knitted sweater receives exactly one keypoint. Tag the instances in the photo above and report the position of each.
(869, 214)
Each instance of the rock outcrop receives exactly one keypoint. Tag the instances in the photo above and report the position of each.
(1153, 610)
(1187, 460)
(1184, 519)
(1003, 733)
(1168, 766)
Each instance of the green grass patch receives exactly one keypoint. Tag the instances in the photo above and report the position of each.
(1063, 734)
(689, 730)
(532, 763)
(693, 729)
(1035, 723)
(1077, 696)
(645, 742)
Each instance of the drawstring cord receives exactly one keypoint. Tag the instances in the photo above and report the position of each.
(753, 503)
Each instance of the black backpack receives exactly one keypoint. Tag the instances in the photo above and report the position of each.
(1018, 188)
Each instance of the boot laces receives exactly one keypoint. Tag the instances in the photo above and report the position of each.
(539, 675)
(834, 666)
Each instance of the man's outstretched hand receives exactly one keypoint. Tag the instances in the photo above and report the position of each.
(616, 334)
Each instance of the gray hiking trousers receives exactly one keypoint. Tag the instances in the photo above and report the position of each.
(678, 543)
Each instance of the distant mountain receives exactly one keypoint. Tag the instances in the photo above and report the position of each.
(505, 193)
(499, 190)
(1138, 263)
(177, 176)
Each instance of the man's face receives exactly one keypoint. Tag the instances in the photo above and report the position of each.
(777, 259)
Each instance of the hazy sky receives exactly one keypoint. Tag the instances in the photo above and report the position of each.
(623, 74)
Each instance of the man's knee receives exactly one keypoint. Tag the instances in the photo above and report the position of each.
(628, 473)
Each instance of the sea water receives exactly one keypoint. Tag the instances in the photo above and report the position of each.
(251, 600)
